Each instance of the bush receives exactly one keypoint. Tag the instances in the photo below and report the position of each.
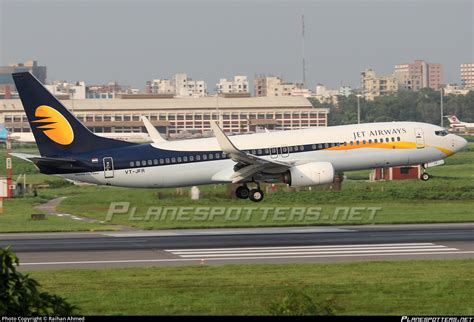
(20, 295)
(296, 303)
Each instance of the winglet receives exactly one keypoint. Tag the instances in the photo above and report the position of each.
(226, 145)
(152, 131)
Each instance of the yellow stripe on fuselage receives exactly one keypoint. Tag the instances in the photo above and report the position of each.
(386, 145)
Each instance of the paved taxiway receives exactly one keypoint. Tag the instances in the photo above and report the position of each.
(246, 245)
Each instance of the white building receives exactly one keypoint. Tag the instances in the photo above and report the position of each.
(455, 89)
(186, 87)
(325, 95)
(240, 84)
(73, 90)
(160, 86)
(180, 86)
(345, 91)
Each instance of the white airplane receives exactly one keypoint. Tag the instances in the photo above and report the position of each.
(305, 157)
(456, 124)
(28, 137)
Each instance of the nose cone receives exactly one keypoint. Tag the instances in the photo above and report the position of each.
(460, 143)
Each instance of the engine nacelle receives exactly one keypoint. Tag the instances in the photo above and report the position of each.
(309, 174)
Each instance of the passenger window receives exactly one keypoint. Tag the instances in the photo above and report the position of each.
(387, 140)
(218, 156)
(375, 141)
(191, 158)
(143, 163)
(179, 159)
(173, 160)
(357, 142)
(132, 163)
(167, 160)
(162, 161)
(150, 162)
(198, 157)
(259, 151)
(204, 156)
(155, 161)
(398, 139)
(393, 139)
(185, 159)
(211, 156)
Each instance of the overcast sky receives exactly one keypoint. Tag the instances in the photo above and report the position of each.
(134, 41)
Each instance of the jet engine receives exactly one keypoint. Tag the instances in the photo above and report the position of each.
(309, 174)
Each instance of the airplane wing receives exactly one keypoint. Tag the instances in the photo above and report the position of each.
(250, 164)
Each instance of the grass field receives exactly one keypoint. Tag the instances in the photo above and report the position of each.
(368, 288)
(448, 197)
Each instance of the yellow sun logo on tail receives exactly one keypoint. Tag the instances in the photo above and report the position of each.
(55, 126)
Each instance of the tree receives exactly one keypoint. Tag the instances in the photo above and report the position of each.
(20, 295)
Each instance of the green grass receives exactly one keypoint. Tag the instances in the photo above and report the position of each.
(17, 218)
(368, 288)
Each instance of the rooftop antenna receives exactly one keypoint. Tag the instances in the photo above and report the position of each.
(302, 45)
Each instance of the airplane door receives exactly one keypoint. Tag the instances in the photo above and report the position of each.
(419, 138)
(108, 167)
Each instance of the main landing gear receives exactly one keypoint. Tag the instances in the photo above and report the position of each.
(243, 192)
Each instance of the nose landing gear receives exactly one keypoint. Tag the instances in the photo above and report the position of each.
(425, 176)
(255, 195)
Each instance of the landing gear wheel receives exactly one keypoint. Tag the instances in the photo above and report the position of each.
(425, 176)
(242, 192)
(256, 195)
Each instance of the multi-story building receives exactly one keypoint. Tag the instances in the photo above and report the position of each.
(240, 84)
(325, 95)
(418, 75)
(160, 86)
(467, 75)
(30, 66)
(176, 116)
(7, 87)
(274, 86)
(373, 86)
(67, 90)
(106, 91)
(181, 86)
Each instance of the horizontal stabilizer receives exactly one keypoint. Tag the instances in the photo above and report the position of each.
(36, 159)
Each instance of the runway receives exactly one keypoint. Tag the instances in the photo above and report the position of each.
(243, 245)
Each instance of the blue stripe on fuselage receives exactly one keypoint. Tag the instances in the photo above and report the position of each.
(122, 157)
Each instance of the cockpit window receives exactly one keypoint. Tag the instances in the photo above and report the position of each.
(441, 133)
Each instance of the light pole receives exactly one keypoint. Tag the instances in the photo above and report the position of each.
(441, 105)
(358, 108)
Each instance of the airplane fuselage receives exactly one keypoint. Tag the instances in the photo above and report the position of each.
(201, 161)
